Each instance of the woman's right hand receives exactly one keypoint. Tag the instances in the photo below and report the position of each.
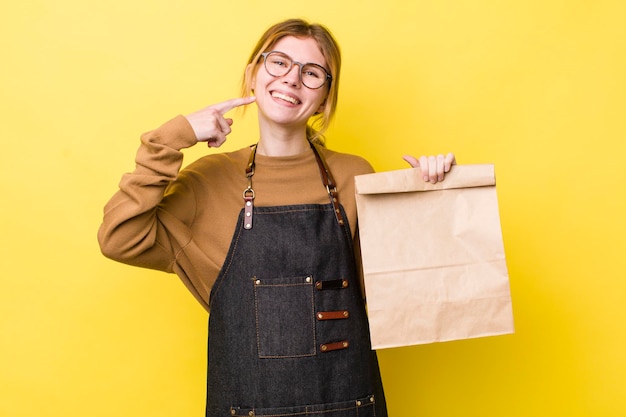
(210, 125)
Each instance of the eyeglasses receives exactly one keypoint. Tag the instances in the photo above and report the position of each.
(312, 75)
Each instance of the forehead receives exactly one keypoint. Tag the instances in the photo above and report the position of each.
(301, 49)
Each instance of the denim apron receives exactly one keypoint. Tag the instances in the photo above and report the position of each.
(288, 329)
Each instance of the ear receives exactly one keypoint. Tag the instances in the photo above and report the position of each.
(251, 75)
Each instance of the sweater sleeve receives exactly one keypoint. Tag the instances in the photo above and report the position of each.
(142, 226)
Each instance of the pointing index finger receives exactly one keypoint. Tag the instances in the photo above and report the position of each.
(228, 105)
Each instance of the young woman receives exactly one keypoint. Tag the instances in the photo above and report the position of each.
(264, 236)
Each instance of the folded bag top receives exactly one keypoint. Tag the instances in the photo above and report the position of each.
(408, 180)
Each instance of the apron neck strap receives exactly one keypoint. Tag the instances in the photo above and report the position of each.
(327, 180)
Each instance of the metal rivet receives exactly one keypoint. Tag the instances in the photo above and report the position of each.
(344, 283)
(346, 314)
(308, 279)
(372, 399)
(257, 282)
(318, 284)
(251, 413)
(248, 203)
(358, 403)
(248, 214)
(345, 344)
(320, 316)
(323, 348)
(232, 411)
(248, 226)
(341, 222)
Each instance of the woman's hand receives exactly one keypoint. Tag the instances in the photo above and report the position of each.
(433, 168)
(210, 125)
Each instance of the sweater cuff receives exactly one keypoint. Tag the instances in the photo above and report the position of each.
(176, 133)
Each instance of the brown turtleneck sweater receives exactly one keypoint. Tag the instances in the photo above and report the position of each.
(182, 221)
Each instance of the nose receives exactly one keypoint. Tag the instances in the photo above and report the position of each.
(293, 75)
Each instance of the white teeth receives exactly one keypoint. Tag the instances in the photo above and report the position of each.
(286, 98)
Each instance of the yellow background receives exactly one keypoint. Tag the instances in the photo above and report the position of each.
(536, 87)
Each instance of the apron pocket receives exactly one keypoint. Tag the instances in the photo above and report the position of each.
(285, 317)
(363, 407)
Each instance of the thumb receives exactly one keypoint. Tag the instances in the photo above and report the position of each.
(412, 161)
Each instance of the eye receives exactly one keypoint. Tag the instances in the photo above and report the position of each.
(313, 71)
(280, 62)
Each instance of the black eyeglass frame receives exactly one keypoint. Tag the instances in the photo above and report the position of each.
(328, 78)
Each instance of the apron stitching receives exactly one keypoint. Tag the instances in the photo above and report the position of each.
(222, 276)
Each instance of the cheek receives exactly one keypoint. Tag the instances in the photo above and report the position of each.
(322, 100)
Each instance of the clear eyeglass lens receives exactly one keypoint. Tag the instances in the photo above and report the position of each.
(279, 64)
(313, 75)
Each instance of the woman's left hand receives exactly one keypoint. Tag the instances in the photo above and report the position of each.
(433, 168)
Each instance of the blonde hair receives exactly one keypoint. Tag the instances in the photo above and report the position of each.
(330, 50)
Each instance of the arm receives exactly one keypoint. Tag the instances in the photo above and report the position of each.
(135, 224)
(148, 220)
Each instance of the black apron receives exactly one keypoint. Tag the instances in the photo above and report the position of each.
(288, 329)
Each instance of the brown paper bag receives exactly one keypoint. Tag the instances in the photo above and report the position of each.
(433, 258)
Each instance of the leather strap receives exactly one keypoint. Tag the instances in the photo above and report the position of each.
(248, 193)
(332, 315)
(328, 347)
(327, 180)
(331, 284)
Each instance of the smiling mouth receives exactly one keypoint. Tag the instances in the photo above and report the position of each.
(286, 98)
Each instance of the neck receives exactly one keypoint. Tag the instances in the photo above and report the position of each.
(282, 142)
